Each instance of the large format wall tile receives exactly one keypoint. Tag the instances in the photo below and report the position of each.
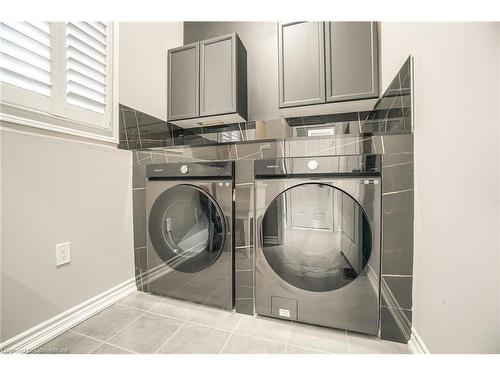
(396, 291)
(141, 159)
(245, 289)
(140, 257)
(139, 204)
(391, 327)
(396, 144)
(397, 233)
(397, 172)
(244, 256)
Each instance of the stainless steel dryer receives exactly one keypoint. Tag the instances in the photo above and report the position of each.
(190, 231)
(318, 240)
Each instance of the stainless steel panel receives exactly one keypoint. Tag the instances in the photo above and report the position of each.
(284, 308)
(319, 166)
(192, 170)
(212, 285)
(354, 306)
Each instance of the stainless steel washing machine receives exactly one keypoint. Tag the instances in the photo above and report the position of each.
(318, 240)
(190, 231)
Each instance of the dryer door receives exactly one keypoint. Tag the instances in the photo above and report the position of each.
(316, 237)
(187, 228)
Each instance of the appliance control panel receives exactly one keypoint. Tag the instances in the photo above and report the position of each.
(191, 170)
(344, 165)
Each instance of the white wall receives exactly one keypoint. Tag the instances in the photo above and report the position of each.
(143, 64)
(456, 296)
(54, 189)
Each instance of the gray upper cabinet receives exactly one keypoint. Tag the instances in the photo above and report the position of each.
(351, 61)
(301, 63)
(183, 82)
(207, 82)
(322, 62)
(218, 75)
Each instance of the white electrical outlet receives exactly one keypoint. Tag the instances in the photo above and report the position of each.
(63, 254)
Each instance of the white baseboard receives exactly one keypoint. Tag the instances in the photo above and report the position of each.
(416, 344)
(46, 331)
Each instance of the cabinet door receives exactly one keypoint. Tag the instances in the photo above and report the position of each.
(301, 63)
(183, 82)
(351, 61)
(218, 75)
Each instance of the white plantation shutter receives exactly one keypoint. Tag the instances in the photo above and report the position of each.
(25, 62)
(86, 44)
(64, 71)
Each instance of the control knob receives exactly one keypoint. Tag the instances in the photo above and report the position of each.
(312, 164)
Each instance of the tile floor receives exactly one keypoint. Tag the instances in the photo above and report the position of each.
(143, 323)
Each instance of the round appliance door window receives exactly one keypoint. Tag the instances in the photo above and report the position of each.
(316, 237)
(186, 228)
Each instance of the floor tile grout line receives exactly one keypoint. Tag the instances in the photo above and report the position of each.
(125, 326)
(160, 314)
(225, 330)
(184, 322)
(101, 341)
(268, 339)
(115, 346)
(208, 326)
(177, 330)
(260, 338)
(188, 320)
(168, 339)
(230, 335)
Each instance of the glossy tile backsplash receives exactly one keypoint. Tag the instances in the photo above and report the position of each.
(390, 135)
(391, 115)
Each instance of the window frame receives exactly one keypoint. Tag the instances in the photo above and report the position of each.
(23, 107)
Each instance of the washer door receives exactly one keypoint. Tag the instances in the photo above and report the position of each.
(187, 228)
(316, 237)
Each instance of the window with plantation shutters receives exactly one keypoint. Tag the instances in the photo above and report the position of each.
(25, 62)
(86, 65)
(63, 71)
(25, 51)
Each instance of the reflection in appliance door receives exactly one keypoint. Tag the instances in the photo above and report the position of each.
(304, 247)
(186, 228)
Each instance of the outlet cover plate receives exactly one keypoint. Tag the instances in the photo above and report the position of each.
(63, 254)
